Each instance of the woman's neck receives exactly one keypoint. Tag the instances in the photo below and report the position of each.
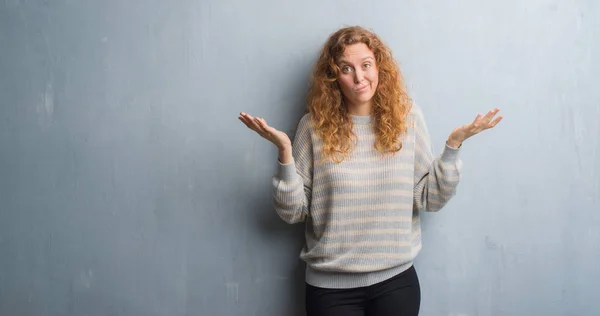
(364, 109)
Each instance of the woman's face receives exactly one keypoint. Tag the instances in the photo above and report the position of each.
(358, 78)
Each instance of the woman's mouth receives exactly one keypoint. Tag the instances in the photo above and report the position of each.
(362, 88)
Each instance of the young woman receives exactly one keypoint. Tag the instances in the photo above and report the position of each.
(358, 173)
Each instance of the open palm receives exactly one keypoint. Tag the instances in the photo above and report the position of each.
(481, 123)
(260, 126)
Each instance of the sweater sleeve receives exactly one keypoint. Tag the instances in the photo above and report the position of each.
(436, 178)
(292, 184)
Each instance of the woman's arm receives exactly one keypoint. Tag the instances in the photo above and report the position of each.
(436, 178)
(292, 184)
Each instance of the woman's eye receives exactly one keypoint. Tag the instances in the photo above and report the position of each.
(346, 69)
(367, 65)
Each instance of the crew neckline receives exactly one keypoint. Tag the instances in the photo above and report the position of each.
(361, 119)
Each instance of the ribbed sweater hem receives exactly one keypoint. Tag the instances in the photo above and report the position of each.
(341, 280)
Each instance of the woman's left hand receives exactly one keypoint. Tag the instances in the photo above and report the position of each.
(481, 123)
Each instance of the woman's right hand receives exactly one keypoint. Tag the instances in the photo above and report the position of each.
(259, 125)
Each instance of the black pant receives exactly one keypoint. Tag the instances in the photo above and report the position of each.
(397, 296)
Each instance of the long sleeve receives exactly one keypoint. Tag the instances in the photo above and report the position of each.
(292, 184)
(436, 178)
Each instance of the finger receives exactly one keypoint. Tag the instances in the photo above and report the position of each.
(496, 121)
(250, 122)
(260, 122)
(255, 123)
(488, 117)
(245, 117)
(488, 122)
(475, 125)
(264, 125)
(244, 120)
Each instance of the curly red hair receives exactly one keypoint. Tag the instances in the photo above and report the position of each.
(325, 101)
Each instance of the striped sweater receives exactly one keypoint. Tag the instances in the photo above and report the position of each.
(362, 215)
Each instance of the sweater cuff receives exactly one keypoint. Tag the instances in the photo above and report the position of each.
(286, 172)
(450, 154)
